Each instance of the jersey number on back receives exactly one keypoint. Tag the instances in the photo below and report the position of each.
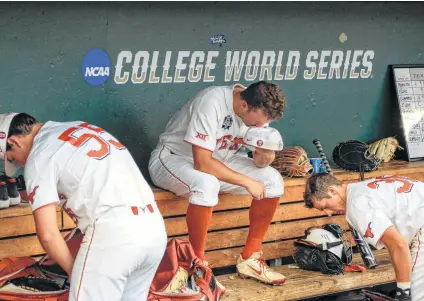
(102, 152)
(406, 184)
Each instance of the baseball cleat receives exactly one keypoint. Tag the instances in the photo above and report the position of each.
(12, 190)
(4, 197)
(255, 267)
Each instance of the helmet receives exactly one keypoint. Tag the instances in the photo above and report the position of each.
(263, 137)
(331, 237)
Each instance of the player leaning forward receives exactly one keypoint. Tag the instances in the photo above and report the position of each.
(388, 212)
(102, 189)
(196, 157)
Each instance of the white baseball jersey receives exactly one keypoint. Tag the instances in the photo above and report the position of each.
(376, 204)
(85, 170)
(207, 120)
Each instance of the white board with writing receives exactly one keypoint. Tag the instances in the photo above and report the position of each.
(409, 81)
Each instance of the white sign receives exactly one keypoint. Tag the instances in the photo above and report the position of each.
(410, 91)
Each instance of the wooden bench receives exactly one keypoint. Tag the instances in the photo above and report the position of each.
(228, 233)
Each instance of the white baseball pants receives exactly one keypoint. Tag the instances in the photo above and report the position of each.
(119, 255)
(177, 174)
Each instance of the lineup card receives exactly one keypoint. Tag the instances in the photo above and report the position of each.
(410, 92)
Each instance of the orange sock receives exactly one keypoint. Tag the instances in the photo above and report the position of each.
(198, 220)
(260, 216)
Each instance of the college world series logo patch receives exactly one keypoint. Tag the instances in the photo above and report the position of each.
(228, 121)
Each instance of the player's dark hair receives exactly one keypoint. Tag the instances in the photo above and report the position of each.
(317, 187)
(21, 124)
(267, 97)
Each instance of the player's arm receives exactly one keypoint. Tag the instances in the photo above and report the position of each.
(43, 197)
(201, 134)
(50, 238)
(203, 161)
(399, 252)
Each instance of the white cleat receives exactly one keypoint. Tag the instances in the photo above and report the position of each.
(255, 267)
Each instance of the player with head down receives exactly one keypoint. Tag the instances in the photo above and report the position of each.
(94, 178)
(388, 212)
(196, 157)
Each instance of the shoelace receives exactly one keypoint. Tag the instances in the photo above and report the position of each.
(262, 264)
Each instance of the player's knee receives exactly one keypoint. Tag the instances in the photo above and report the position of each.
(272, 180)
(205, 191)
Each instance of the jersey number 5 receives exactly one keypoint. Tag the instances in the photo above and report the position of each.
(103, 152)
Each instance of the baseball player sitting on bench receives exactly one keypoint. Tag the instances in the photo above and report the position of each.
(95, 179)
(387, 212)
(196, 157)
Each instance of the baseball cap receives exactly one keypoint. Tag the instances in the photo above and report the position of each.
(10, 167)
(263, 137)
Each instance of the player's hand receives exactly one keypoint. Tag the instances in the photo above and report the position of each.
(263, 157)
(256, 189)
(402, 295)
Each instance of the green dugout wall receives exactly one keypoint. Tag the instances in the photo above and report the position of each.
(331, 59)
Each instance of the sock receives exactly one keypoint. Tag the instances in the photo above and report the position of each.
(198, 219)
(260, 216)
(404, 285)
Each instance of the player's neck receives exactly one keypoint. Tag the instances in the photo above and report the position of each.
(36, 128)
(236, 102)
(343, 193)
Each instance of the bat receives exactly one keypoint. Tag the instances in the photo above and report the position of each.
(364, 248)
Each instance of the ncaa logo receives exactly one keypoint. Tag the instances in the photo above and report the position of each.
(96, 67)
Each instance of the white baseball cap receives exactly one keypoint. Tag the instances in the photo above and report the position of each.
(10, 167)
(263, 137)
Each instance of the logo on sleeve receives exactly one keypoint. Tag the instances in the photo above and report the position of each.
(32, 195)
(228, 122)
(368, 232)
(259, 142)
(404, 188)
(2, 135)
(201, 136)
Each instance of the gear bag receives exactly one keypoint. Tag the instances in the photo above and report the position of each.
(25, 279)
(181, 275)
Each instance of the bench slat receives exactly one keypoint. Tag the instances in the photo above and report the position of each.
(237, 237)
(174, 205)
(240, 218)
(21, 225)
(22, 246)
(303, 284)
(19, 210)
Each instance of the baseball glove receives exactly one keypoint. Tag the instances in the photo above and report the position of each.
(36, 284)
(384, 149)
(292, 162)
(308, 257)
(351, 156)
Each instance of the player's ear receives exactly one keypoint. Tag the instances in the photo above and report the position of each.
(14, 142)
(332, 190)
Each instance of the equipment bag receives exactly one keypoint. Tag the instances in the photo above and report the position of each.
(25, 279)
(181, 275)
